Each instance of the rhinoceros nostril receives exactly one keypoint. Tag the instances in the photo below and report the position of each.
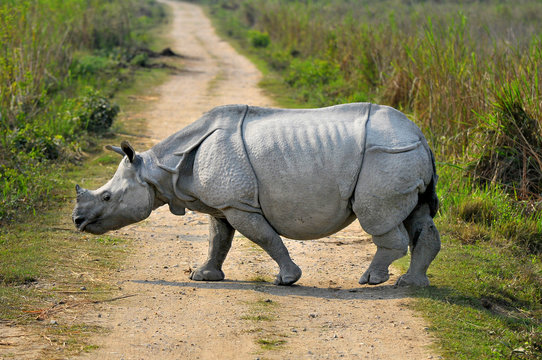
(79, 220)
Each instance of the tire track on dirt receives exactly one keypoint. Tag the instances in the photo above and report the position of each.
(327, 315)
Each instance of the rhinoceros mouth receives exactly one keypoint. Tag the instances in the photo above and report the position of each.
(85, 224)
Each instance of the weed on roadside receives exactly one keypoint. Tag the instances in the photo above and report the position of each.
(263, 313)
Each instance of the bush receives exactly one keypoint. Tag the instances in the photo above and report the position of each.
(140, 59)
(320, 82)
(53, 53)
(34, 140)
(259, 39)
(25, 180)
(86, 65)
(516, 135)
(311, 73)
(95, 112)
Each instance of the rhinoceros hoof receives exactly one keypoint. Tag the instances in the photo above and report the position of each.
(288, 276)
(203, 274)
(374, 277)
(412, 280)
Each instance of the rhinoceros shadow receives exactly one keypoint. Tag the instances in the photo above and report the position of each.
(361, 293)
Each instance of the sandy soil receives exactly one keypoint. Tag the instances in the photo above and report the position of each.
(326, 315)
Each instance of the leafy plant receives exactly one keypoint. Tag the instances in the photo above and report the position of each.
(259, 39)
(89, 65)
(34, 140)
(515, 157)
(53, 57)
(96, 113)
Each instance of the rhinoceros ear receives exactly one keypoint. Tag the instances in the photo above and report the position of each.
(116, 149)
(128, 150)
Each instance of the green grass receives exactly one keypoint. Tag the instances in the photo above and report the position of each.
(45, 260)
(483, 303)
(486, 289)
(45, 253)
(271, 343)
(60, 64)
(263, 313)
(46, 265)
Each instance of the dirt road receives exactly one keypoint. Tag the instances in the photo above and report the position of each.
(326, 315)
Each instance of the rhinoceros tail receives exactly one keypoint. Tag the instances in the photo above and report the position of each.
(430, 197)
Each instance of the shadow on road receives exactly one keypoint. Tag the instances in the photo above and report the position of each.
(362, 293)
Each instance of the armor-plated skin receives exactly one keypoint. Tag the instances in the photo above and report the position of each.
(302, 174)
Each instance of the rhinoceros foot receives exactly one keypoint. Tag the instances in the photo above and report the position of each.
(288, 275)
(374, 276)
(207, 274)
(412, 280)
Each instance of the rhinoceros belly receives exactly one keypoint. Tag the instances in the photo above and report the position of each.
(306, 163)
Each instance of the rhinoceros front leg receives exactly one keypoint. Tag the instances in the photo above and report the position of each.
(390, 247)
(256, 228)
(220, 238)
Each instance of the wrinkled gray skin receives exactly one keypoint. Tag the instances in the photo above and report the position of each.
(303, 174)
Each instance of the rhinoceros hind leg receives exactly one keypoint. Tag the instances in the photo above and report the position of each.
(390, 247)
(220, 238)
(424, 246)
(256, 228)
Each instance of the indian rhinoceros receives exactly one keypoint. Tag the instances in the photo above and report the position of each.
(302, 174)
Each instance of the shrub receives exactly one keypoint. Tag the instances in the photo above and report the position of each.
(319, 82)
(86, 65)
(515, 157)
(477, 210)
(34, 140)
(25, 180)
(311, 73)
(140, 59)
(259, 39)
(95, 112)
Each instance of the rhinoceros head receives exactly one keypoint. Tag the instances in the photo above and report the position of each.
(124, 200)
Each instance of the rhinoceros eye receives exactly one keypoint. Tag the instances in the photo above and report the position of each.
(106, 196)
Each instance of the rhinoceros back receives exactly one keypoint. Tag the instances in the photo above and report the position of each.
(306, 163)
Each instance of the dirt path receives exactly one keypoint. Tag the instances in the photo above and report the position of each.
(327, 315)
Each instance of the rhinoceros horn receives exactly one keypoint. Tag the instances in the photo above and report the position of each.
(81, 192)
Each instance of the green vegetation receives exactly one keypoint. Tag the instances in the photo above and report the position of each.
(270, 344)
(468, 73)
(263, 311)
(46, 267)
(60, 63)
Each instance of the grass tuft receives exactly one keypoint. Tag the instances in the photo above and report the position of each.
(271, 344)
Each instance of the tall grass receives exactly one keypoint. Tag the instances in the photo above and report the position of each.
(455, 68)
(38, 41)
(59, 62)
(469, 74)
